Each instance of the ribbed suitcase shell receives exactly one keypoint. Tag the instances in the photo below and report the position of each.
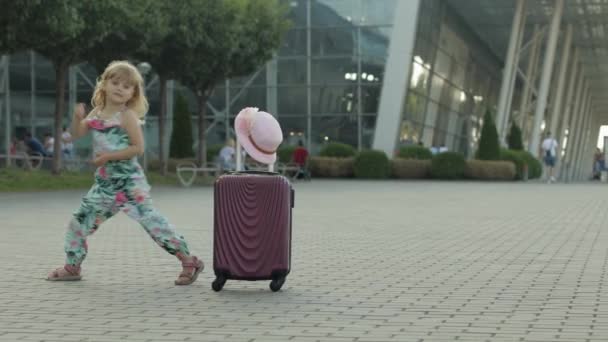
(252, 226)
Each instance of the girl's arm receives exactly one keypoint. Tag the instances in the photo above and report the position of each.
(130, 123)
(79, 125)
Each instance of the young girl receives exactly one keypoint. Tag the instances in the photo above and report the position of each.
(120, 184)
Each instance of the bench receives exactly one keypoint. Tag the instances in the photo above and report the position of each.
(29, 162)
(186, 172)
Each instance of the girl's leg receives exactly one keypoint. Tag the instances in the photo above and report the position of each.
(158, 227)
(139, 207)
(95, 208)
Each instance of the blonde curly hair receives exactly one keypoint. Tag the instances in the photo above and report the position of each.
(126, 71)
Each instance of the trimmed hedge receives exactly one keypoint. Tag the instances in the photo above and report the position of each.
(180, 145)
(535, 167)
(516, 158)
(284, 153)
(338, 150)
(415, 152)
(489, 146)
(332, 167)
(410, 168)
(213, 152)
(490, 170)
(371, 164)
(514, 138)
(448, 165)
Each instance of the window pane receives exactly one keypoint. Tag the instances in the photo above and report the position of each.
(335, 12)
(294, 129)
(334, 128)
(334, 99)
(410, 132)
(443, 63)
(247, 97)
(370, 97)
(419, 78)
(291, 100)
(378, 12)
(437, 86)
(294, 43)
(291, 71)
(414, 107)
(368, 126)
(334, 41)
(333, 70)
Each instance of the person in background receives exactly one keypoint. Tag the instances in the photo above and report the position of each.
(300, 157)
(549, 149)
(34, 145)
(67, 146)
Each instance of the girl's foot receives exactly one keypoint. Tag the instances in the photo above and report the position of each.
(192, 267)
(65, 273)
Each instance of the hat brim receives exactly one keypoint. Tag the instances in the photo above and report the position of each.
(242, 135)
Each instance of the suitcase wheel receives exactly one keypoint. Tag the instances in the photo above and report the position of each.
(277, 283)
(218, 284)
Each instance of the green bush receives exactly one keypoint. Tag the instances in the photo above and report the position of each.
(371, 164)
(516, 158)
(285, 153)
(489, 147)
(415, 152)
(448, 165)
(213, 151)
(535, 167)
(338, 150)
(514, 139)
(181, 137)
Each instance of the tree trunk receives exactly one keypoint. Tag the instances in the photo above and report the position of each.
(202, 126)
(61, 68)
(161, 125)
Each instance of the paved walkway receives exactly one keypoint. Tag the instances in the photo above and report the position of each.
(372, 261)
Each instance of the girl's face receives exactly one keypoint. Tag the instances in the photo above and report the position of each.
(118, 90)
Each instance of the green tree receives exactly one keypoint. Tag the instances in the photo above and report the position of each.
(234, 38)
(169, 55)
(13, 20)
(181, 137)
(65, 31)
(489, 147)
(514, 139)
(142, 38)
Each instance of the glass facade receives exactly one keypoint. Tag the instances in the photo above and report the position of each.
(324, 83)
(454, 79)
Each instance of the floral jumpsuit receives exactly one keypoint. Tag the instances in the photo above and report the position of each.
(119, 185)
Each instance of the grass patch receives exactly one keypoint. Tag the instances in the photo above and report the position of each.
(19, 180)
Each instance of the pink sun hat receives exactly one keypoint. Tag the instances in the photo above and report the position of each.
(259, 133)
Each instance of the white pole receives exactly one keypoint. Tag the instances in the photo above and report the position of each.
(541, 102)
(561, 80)
(7, 112)
(509, 64)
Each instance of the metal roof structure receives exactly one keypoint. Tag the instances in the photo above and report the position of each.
(492, 20)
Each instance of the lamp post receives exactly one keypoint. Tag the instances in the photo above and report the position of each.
(144, 68)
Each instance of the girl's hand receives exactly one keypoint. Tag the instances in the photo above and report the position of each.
(100, 159)
(79, 112)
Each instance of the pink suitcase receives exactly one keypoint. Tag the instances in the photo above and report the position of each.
(252, 228)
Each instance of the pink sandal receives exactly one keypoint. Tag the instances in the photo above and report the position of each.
(65, 273)
(187, 278)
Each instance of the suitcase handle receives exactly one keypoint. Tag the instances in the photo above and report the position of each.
(268, 173)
